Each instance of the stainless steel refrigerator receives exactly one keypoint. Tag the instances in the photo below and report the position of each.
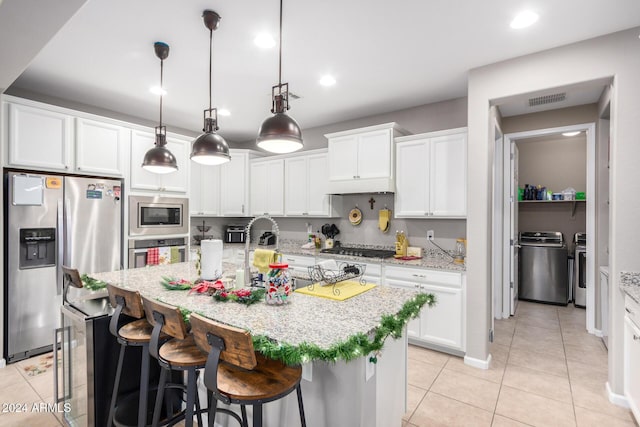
(51, 220)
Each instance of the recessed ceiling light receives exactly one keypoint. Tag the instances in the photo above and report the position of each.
(524, 19)
(327, 80)
(157, 90)
(264, 40)
(574, 133)
(224, 112)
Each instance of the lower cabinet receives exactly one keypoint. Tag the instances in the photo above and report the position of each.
(442, 325)
(298, 264)
(632, 355)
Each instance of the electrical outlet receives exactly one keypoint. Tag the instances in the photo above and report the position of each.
(430, 235)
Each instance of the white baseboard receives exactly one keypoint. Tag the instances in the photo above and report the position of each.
(597, 332)
(617, 399)
(477, 363)
(3, 363)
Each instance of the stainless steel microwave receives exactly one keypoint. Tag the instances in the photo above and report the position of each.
(155, 216)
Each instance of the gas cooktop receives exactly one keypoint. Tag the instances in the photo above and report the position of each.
(361, 252)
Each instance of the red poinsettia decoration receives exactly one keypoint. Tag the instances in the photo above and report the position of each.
(206, 287)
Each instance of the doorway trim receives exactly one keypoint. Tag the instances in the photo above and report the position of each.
(590, 129)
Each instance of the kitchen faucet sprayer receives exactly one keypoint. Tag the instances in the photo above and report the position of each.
(247, 231)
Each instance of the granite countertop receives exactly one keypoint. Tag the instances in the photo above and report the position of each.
(630, 284)
(431, 259)
(310, 319)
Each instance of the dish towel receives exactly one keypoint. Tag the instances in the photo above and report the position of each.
(152, 256)
(262, 258)
(175, 254)
(164, 255)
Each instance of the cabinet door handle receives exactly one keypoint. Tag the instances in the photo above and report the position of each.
(242, 208)
(419, 275)
(66, 166)
(635, 337)
(628, 311)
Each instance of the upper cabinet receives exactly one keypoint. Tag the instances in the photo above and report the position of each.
(267, 187)
(204, 190)
(307, 186)
(234, 184)
(362, 160)
(100, 147)
(39, 138)
(431, 175)
(141, 179)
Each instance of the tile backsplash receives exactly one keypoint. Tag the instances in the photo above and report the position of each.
(446, 230)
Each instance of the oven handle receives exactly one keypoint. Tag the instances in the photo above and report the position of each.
(141, 250)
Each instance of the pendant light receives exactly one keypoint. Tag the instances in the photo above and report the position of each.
(159, 159)
(280, 133)
(210, 148)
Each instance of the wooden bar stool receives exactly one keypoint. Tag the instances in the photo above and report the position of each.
(179, 354)
(235, 373)
(134, 334)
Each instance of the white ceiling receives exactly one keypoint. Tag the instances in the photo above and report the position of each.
(385, 55)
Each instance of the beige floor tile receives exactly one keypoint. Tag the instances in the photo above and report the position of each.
(546, 385)
(42, 384)
(504, 325)
(499, 352)
(414, 397)
(18, 392)
(502, 338)
(500, 421)
(588, 376)
(587, 418)
(422, 374)
(540, 322)
(532, 409)
(583, 339)
(29, 418)
(597, 400)
(493, 374)
(586, 354)
(440, 411)
(425, 355)
(540, 345)
(465, 388)
(532, 331)
(538, 361)
(9, 375)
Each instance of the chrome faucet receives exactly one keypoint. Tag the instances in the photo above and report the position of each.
(247, 238)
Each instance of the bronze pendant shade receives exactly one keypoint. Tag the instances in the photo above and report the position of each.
(280, 133)
(210, 148)
(159, 159)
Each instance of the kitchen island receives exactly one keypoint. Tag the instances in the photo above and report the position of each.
(336, 392)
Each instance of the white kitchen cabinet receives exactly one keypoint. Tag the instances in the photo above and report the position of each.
(39, 138)
(141, 179)
(204, 190)
(299, 264)
(431, 175)
(372, 273)
(234, 185)
(267, 187)
(362, 160)
(100, 147)
(632, 355)
(443, 324)
(306, 187)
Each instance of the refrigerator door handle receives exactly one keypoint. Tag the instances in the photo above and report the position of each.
(56, 342)
(67, 233)
(60, 240)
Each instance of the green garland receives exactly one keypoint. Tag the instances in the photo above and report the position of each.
(355, 346)
(92, 284)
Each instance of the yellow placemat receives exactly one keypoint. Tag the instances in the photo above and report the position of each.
(348, 289)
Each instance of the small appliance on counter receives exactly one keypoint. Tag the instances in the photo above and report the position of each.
(267, 238)
(402, 242)
(234, 234)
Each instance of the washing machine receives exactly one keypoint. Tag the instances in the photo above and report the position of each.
(543, 267)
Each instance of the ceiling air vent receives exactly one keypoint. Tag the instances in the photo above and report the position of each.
(547, 99)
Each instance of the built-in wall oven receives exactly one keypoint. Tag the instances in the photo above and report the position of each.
(162, 251)
(156, 216)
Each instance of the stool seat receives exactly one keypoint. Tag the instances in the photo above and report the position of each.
(138, 331)
(269, 380)
(182, 353)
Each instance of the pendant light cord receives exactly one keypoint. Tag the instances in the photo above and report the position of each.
(210, 67)
(161, 89)
(280, 54)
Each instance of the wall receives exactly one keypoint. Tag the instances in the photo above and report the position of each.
(614, 55)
